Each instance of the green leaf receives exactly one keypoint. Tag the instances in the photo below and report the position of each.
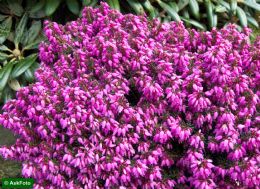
(170, 11)
(2, 39)
(86, 2)
(2, 17)
(136, 6)
(35, 43)
(252, 21)
(225, 4)
(22, 65)
(114, 4)
(4, 8)
(251, 4)
(29, 76)
(215, 20)
(11, 36)
(33, 32)
(194, 23)
(174, 6)
(242, 17)
(90, 3)
(3, 56)
(4, 75)
(51, 6)
(233, 6)
(220, 8)
(7, 94)
(186, 15)
(182, 4)
(5, 27)
(209, 8)
(20, 29)
(4, 48)
(93, 3)
(29, 73)
(148, 6)
(14, 84)
(37, 7)
(73, 6)
(15, 7)
(194, 7)
(38, 14)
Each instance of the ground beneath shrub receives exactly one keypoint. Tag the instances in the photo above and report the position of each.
(8, 169)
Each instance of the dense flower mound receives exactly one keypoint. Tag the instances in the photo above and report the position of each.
(123, 102)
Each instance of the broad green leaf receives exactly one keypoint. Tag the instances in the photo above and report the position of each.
(93, 3)
(174, 6)
(4, 8)
(252, 21)
(29, 73)
(86, 2)
(186, 16)
(37, 7)
(38, 14)
(5, 27)
(182, 4)
(22, 65)
(30, 4)
(242, 17)
(148, 6)
(29, 76)
(35, 43)
(51, 6)
(15, 7)
(7, 94)
(220, 8)
(33, 32)
(73, 6)
(252, 4)
(194, 23)
(14, 84)
(3, 56)
(136, 6)
(2, 17)
(34, 67)
(225, 4)
(114, 4)
(215, 20)
(111, 4)
(11, 36)
(20, 29)
(170, 11)
(209, 8)
(2, 39)
(233, 6)
(4, 75)
(4, 48)
(194, 7)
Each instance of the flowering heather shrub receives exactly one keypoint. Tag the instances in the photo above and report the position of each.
(122, 102)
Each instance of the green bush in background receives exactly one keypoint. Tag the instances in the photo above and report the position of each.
(21, 26)
(201, 14)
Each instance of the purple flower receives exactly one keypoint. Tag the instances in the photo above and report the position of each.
(123, 102)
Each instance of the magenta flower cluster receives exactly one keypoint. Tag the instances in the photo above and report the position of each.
(123, 102)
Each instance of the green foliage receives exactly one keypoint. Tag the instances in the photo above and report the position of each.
(201, 14)
(20, 34)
